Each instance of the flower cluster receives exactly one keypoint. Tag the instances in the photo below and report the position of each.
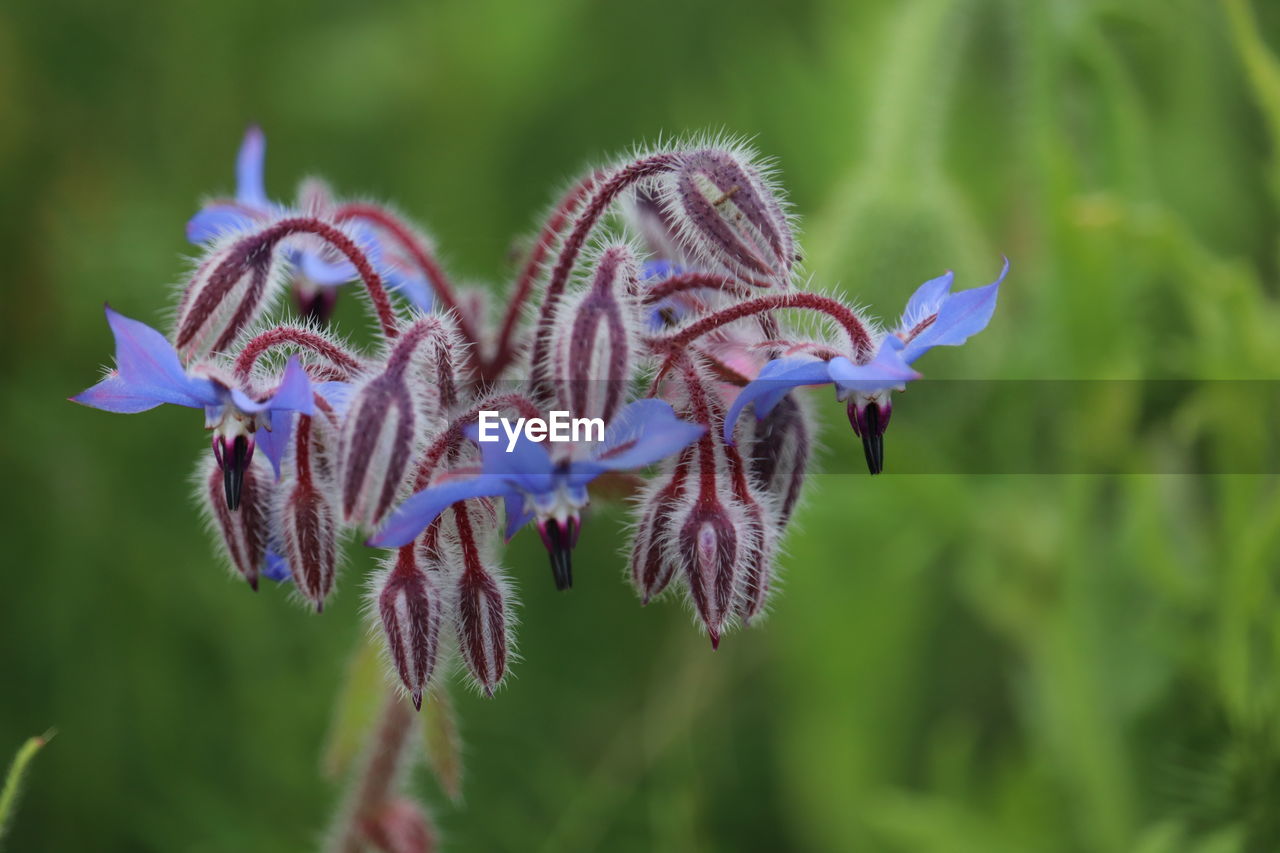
(658, 300)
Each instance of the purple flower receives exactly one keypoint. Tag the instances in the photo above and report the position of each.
(148, 373)
(934, 317)
(532, 485)
(318, 273)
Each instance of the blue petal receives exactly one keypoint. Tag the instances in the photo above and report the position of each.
(527, 467)
(887, 370)
(250, 189)
(926, 301)
(293, 394)
(274, 442)
(322, 272)
(413, 516)
(148, 373)
(655, 270)
(413, 288)
(641, 433)
(961, 315)
(776, 379)
(217, 219)
(276, 568)
(518, 513)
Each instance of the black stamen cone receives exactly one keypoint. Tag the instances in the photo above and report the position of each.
(873, 440)
(561, 551)
(233, 471)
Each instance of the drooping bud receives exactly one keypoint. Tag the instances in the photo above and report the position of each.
(869, 415)
(729, 217)
(230, 289)
(648, 216)
(400, 826)
(778, 448)
(384, 422)
(308, 517)
(409, 604)
(710, 544)
(593, 339)
(242, 532)
(758, 531)
(481, 611)
(652, 566)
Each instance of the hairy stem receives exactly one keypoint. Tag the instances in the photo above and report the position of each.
(289, 336)
(848, 321)
(384, 760)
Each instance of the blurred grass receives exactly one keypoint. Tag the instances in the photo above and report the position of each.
(986, 663)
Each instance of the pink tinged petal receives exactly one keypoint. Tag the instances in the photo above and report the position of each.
(232, 287)
(250, 186)
(377, 444)
(148, 373)
(776, 380)
(409, 605)
(728, 216)
(242, 531)
(960, 316)
(481, 622)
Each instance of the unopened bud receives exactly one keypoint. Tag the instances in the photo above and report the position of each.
(778, 447)
(308, 518)
(410, 608)
(652, 565)
(378, 437)
(593, 339)
(710, 546)
(230, 289)
(729, 217)
(242, 532)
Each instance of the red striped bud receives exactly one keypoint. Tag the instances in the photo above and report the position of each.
(594, 339)
(481, 611)
(241, 532)
(230, 289)
(652, 566)
(779, 447)
(712, 544)
(409, 604)
(308, 516)
(729, 217)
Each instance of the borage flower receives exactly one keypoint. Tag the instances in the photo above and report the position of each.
(934, 317)
(533, 485)
(317, 273)
(148, 373)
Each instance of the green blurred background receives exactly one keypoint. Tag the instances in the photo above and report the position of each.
(956, 663)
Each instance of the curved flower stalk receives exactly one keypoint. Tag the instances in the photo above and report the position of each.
(317, 270)
(656, 305)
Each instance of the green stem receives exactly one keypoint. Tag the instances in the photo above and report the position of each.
(17, 770)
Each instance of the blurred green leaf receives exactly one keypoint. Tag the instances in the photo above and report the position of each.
(12, 789)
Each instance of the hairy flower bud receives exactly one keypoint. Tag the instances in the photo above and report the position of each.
(242, 532)
(593, 339)
(729, 217)
(230, 289)
(481, 610)
(389, 414)
(409, 604)
(308, 516)
(778, 447)
(651, 565)
(712, 543)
